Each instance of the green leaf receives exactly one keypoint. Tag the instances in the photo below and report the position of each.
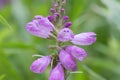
(2, 77)
(4, 22)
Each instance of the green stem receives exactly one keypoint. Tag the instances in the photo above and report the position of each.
(67, 74)
(37, 55)
(59, 24)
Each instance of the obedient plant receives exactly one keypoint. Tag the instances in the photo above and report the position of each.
(57, 27)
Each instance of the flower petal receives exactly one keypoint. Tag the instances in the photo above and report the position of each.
(57, 73)
(67, 61)
(39, 65)
(40, 27)
(65, 35)
(76, 52)
(87, 38)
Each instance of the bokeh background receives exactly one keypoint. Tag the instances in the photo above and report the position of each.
(17, 46)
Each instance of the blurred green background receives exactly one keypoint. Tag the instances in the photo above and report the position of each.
(17, 46)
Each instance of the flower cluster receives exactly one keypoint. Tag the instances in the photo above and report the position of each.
(57, 25)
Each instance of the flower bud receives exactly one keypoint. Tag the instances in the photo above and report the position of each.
(68, 24)
(65, 35)
(57, 73)
(39, 65)
(76, 52)
(56, 5)
(56, 15)
(40, 27)
(52, 10)
(62, 10)
(67, 61)
(64, 2)
(87, 38)
(50, 18)
(65, 18)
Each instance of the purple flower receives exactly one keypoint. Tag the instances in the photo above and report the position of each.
(67, 61)
(56, 15)
(50, 18)
(52, 10)
(62, 10)
(57, 73)
(39, 65)
(87, 38)
(40, 27)
(65, 18)
(76, 52)
(68, 24)
(65, 35)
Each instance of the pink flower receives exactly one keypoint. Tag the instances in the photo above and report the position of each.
(67, 61)
(76, 52)
(65, 35)
(39, 65)
(57, 73)
(87, 38)
(40, 27)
